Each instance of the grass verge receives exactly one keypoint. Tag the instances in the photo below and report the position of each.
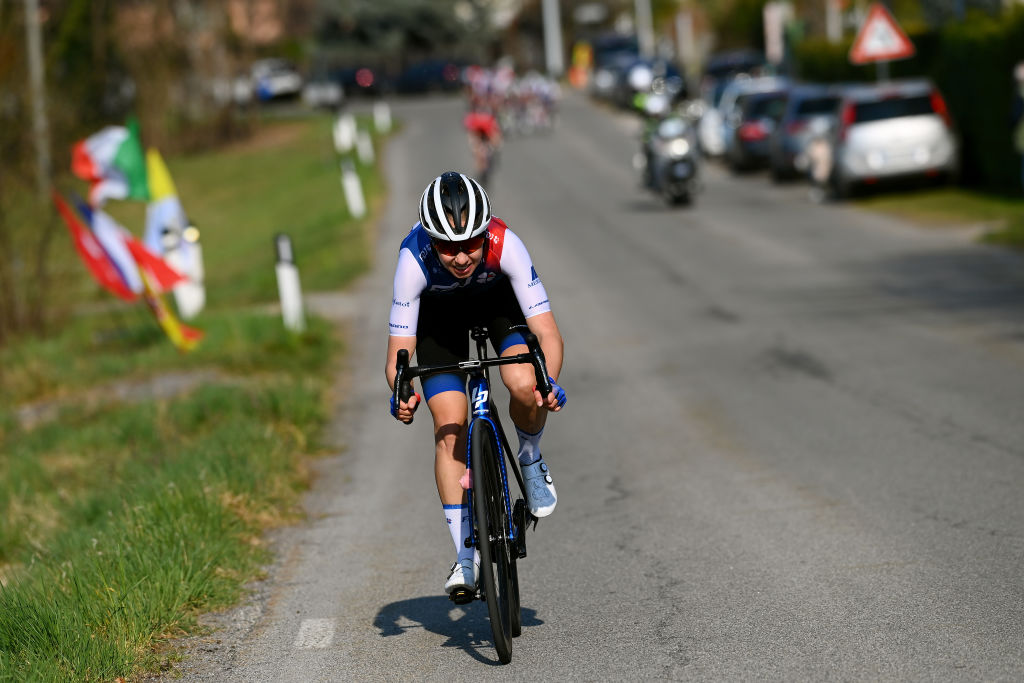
(1000, 218)
(124, 515)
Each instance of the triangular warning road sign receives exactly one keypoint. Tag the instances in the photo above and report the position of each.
(880, 39)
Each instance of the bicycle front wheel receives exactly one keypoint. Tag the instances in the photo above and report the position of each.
(492, 523)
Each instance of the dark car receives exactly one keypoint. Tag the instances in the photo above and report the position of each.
(641, 75)
(364, 80)
(807, 106)
(752, 122)
(724, 65)
(431, 75)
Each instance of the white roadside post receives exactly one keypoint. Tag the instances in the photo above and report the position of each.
(344, 133)
(382, 117)
(353, 190)
(288, 284)
(364, 147)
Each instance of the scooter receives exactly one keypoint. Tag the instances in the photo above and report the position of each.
(668, 160)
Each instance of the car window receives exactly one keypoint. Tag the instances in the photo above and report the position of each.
(766, 106)
(892, 108)
(813, 106)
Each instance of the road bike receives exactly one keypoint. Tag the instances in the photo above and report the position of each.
(499, 523)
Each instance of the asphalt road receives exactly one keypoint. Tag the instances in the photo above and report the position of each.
(793, 447)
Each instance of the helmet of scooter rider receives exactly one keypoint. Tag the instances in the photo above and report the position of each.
(448, 198)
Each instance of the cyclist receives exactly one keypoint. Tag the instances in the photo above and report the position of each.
(460, 267)
(484, 133)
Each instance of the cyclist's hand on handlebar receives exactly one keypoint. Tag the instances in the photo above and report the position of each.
(404, 411)
(554, 401)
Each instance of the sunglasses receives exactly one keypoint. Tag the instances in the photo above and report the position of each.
(456, 248)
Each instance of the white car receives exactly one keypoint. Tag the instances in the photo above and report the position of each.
(275, 79)
(892, 130)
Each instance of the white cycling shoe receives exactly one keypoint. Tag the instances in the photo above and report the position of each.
(461, 583)
(540, 488)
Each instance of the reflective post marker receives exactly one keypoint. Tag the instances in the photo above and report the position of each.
(353, 190)
(382, 116)
(344, 133)
(288, 284)
(364, 146)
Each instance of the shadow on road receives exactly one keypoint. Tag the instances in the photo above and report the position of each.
(466, 626)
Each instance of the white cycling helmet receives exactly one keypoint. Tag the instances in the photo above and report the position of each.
(450, 194)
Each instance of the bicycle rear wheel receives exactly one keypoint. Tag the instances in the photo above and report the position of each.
(492, 524)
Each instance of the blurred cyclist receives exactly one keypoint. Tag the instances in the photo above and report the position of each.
(460, 267)
(485, 139)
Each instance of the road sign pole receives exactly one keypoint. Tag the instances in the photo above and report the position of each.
(882, 71)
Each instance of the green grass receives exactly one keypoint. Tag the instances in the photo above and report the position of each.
(120, 520)
(1001, 218)
(124, 516)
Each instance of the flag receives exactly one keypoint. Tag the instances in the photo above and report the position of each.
(165, 216)
(183, 337)
(113, 238)
(96, 259)
(170, 234)
(160, 274)
(160, 183)
(112, 162)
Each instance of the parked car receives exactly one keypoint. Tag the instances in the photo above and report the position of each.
(640, 75)
(724, 65)
(364, 80)
(274, 79)
(731, 108)
(322, 91)
(807, 108)
(721, 70)
(608, 72)
(430, 75)
(886, 131)
(709, 126)
(756, 116)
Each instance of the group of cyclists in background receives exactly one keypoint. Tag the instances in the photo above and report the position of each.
(501, 103)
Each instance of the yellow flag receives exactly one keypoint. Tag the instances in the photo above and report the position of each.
(183, 337)
(160, 183)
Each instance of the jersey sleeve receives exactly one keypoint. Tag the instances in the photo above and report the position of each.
(405, 300)
(518, 267)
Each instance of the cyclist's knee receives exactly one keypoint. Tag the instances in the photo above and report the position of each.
(520, 385)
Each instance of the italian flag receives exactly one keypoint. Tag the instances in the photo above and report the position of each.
(113, 163)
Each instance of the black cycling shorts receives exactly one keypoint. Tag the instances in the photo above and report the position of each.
(442, 332)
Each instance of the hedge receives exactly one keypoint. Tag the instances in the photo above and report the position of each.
(972, 63)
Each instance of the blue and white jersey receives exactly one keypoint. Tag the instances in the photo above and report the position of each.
(420, 272)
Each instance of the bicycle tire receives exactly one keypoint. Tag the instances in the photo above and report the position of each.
(517, 620)
(492, 521)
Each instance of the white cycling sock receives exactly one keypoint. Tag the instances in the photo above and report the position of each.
(529, 446)
(457, 517)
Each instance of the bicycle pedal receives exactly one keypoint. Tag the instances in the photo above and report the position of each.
(462, 597)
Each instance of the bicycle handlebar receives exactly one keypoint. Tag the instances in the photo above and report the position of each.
(404, 374)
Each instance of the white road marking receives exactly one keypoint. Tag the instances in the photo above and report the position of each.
(315, 634)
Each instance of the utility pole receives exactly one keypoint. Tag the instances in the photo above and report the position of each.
(553, 39)
(645, 27)
(40, 125)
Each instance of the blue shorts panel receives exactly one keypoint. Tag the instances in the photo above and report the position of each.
(435, 384)
(516, 337)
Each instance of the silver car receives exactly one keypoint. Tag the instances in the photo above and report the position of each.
(891, 130)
